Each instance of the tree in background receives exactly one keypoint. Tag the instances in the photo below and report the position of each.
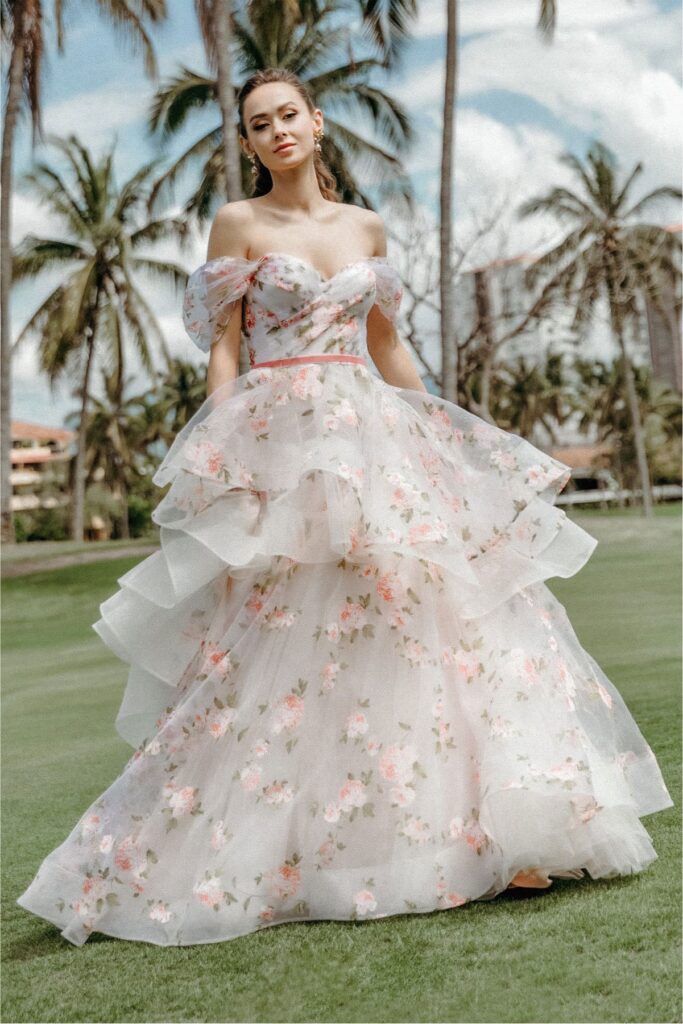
(608, 255)
(215, 26)
(23, 25)
(602, 405)
(181, 391)
(98, 301)
(110, 454)
(450, 369)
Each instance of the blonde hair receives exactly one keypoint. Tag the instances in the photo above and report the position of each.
(263, 182)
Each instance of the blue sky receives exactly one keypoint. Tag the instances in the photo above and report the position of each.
(613, 73)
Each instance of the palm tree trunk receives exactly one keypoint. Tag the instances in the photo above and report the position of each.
(638, 435)
(449, 351)
(78, 496)
(486, 371)
(124, 524)
(222, 18)
(222, 14)
(488, 346)
(15, 76)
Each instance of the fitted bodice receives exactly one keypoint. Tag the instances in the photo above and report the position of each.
(289, 308)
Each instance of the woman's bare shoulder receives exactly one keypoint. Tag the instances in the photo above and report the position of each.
(362, 214)
(372, 227)
(230, 230)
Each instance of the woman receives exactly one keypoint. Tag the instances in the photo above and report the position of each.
(351, 692)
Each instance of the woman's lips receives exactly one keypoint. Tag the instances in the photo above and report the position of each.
(285, 147)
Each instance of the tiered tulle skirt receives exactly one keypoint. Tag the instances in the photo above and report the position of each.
(350, 691)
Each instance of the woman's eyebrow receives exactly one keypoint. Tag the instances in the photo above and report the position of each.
(290, 103)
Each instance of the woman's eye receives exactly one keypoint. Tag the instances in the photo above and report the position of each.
(258, 127)
(292, 114)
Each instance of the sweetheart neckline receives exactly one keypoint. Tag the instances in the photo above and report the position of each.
(300, 259)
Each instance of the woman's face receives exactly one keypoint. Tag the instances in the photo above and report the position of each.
(279, 126)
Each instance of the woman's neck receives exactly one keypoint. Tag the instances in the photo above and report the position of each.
(296, 192)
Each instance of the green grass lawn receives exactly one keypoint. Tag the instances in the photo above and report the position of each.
(584, 951)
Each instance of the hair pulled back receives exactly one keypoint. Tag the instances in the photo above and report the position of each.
(263, 182)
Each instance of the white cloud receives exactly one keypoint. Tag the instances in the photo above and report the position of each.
(591, 82)
(494, 15)
(95, 114)
(614, 85)
(31, 218)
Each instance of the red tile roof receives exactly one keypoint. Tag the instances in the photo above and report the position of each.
(582, 456)
(21, 430)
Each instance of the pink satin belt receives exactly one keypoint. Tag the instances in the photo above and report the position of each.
(311, 359)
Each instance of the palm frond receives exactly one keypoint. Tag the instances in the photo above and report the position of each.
(173, 103)
(34, 255)
(203, 147)
(387, 24)
(161, 270)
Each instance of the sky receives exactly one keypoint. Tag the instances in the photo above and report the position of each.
(613, 73)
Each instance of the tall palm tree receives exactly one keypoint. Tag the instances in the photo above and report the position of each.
(305, 38)
(450, 370)
(98, 300)
(609, 254)
(23, 34)
(215, 25)
(449, 351)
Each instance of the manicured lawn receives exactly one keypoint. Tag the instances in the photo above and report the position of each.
(587, 951)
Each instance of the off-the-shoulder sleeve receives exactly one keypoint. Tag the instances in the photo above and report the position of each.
(389, 290)
(210, 295)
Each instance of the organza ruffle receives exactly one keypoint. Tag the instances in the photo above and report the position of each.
(322, 463)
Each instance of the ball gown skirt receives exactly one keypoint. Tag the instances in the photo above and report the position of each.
(350, 692)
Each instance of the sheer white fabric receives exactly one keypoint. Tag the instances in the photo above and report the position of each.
(387, 710)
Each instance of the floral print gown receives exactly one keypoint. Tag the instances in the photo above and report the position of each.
(386, 710)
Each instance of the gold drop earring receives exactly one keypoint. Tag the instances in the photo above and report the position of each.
(252, 158)
(318, 136)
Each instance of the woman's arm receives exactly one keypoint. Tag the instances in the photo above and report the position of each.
(389, 354)
(227, 238)
(386, 349)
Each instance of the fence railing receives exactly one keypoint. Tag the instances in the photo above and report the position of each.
(602, 495)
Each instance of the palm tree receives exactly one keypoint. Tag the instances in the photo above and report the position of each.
(607, 254)
(110, 440)
(98, 300)
(215, 25)
(302, 37)
(601, 402)
(449, 351)
(182, 391)
(23, 33)
(528, 395)
(450, 370)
